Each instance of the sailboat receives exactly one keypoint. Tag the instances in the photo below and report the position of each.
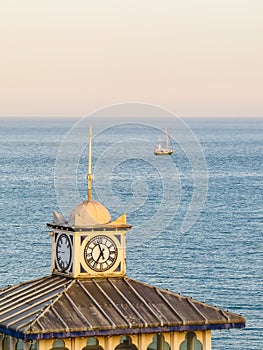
(160, 151)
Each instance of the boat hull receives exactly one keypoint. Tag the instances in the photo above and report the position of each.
(163, 153)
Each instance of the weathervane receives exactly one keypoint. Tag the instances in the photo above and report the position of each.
(89, 177)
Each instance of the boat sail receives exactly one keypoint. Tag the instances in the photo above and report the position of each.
(160, 151)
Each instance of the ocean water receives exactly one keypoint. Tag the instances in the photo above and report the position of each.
(197, 215)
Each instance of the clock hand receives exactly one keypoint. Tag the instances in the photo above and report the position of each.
(101, 254)
(101, 251)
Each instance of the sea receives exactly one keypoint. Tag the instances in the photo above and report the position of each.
(197, 214)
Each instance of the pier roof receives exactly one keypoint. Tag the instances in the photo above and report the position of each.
(55, 306)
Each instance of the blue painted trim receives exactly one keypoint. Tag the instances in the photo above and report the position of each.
(12, 333)
(120, 331)
(88, 229)
(118, 237)
(118, 268)
(82, 270)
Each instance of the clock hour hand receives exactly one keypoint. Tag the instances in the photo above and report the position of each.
(101, 253)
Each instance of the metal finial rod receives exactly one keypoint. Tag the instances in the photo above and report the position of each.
(89, 177)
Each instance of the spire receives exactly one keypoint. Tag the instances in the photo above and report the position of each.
(89, 177)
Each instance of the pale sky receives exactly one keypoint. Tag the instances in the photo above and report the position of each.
(71, 57)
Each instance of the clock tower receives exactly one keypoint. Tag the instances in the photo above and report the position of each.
(88, 243)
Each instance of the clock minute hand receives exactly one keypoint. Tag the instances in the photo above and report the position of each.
(101, 252)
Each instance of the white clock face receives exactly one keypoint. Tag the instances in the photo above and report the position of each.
(63, 252)
(100, 253)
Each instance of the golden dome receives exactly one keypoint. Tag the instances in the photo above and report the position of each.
(89, 213)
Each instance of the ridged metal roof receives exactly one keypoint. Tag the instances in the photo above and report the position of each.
(55, 306)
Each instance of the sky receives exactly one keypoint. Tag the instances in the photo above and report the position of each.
(192, 57)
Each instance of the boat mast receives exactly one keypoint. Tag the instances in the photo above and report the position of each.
(166, 139)
(89, 177)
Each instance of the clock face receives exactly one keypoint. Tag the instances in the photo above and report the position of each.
(100, 253)
(63, 252)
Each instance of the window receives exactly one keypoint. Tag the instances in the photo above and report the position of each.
(33, 346)
(126, 344)
(59, 344)
(191, 343)
(6, 344)
(20, 345)
(159, 343)
(93, 344)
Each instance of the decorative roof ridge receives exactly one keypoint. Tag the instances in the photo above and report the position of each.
(95, 302)
(111, 301)
(193, 302)
(110, 279)
(144, 302)
(161, 293)
(14, 286)
(50, 306)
